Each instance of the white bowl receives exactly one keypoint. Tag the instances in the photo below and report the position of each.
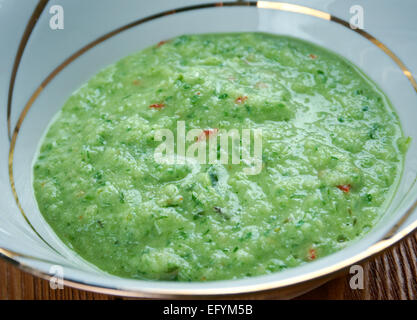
(45, 66)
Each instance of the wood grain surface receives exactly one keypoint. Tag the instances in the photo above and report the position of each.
(392, 275)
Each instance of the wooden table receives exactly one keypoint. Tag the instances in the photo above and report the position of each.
(392, 275)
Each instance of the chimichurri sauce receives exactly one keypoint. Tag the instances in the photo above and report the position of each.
(332, 155)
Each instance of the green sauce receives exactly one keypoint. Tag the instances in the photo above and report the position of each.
(332, 155)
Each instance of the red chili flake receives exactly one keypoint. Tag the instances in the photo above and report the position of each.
(207, 134)
(312, 56)
(240, 100)
(161, 43)
(197, 93)
(157, 106)
(345, 187)
(312, 254)
(136, 82)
